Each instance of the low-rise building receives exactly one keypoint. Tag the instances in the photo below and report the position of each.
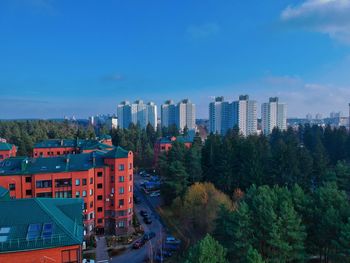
(164, 144)
(7, 150)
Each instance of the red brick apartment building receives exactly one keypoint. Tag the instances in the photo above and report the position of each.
(7, 150)
(41, 230)
(102, 178)
(164, 144)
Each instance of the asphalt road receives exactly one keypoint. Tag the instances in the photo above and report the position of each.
(148, 204)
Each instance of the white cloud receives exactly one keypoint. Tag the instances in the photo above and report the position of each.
(331, 17)
(203, 31)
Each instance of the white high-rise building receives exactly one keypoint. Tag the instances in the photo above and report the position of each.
(185, 115)
(220, 116)
(244, 115)
(168, 113)
(152, 114)
(273, 115)
(124, 114)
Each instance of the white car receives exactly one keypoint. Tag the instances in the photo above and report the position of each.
(154, 194)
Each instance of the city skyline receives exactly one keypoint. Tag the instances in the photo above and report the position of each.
(296, 50)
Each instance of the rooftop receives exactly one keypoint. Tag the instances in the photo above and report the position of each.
(182, 139)
(4, 146)
(75, 143)
(38, 223)
(67, 163)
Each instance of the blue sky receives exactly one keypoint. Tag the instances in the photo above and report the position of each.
(62, 57)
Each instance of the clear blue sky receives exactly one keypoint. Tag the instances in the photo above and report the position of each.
(63, 57)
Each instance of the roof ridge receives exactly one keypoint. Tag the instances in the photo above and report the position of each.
(48, 211)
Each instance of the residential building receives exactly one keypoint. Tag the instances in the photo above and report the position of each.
(103, 179)
(164, 144)
(124, 114)
(41, 230)
(7, 150)
(168, 113)
(220, 116)
(185, 115)
(273, 115)
(152, 116)
(112, 123)
(244, 114)
(57, 147)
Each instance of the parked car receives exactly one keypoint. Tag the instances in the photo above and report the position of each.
(149, 235)
(147, 220)
(171, 247)
(154, 194)
(143, 213)
(137, 200)
(138, 244)
(172, 240)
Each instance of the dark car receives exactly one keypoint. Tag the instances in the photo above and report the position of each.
(143, 213)
(171, 247)
(147, 220)
(138, 244)
(137, 200)
(149, 235)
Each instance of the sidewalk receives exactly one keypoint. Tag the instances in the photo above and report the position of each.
(101, 250)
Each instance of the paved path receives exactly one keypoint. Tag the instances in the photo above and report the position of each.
(101, 250)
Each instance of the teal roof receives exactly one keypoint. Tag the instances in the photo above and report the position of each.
(73, 143)
(67, 163)
(4, 193)
(4, 146)
(118, 152)
(182, 139)
(62, 215)
(105, 137)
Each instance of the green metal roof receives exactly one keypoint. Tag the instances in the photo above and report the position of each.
(118, 152)
(4, 146)
(4, 193)
(72, 143)
(67, 163)
(64, 215)
(182, 139)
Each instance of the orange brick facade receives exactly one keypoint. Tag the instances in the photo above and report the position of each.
(8, 153)
(107, 192)
(164, 146)
(68, 254)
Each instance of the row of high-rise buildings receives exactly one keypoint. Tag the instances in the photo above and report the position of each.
(224, 115)
(181, 114)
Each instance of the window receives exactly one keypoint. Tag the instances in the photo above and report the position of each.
(28, 192)
(121, 224)
(84, 182)
(121, 167)
(112, 202)
(58, 153)
(99, 197)
(121, 190)
(100, 220)
(130, 165)
(99, 174)
(77, 181)
(99, 209)
(91, 204)
(122, 213)
(91, 180)
(130, 188)
(85, 206)
(28, 179)
(130, 200)
(12, 187)
(47, 194)
(70, 256)
(99, 186)
(91, 215)
(112, 178)
(129, 211)
(121, 202)
(112, 168)
(63, 182)
(84, 193)
(163, 148)
(77, 194)
(121, 178)
(91, 192)
(44, 184)
(130, 177)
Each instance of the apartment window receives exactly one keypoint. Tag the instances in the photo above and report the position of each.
(121, 224)
(84, 182)
(129, 211)
(121, 167)
(77, 181)
(91, 192)
(91, 180)
(121, 178)
(99, 174)
(12, 187)
(91, 204)
(130, 200)
(112, 168)
(99, 209)
(112, 178)
(130, 165)
(28, 179)
(91, 215)
(99, 197)
(130, 188)
(163, 148)
(58, 153)
(85, 206)
(121, 190)
(28, 192)
(84, 193)
(112, 202)
(70, 256)
(77, 194)
(121, 202)
(99, 186)
(47, 194)
(130, 177)
(44, 184)
(100, 220)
